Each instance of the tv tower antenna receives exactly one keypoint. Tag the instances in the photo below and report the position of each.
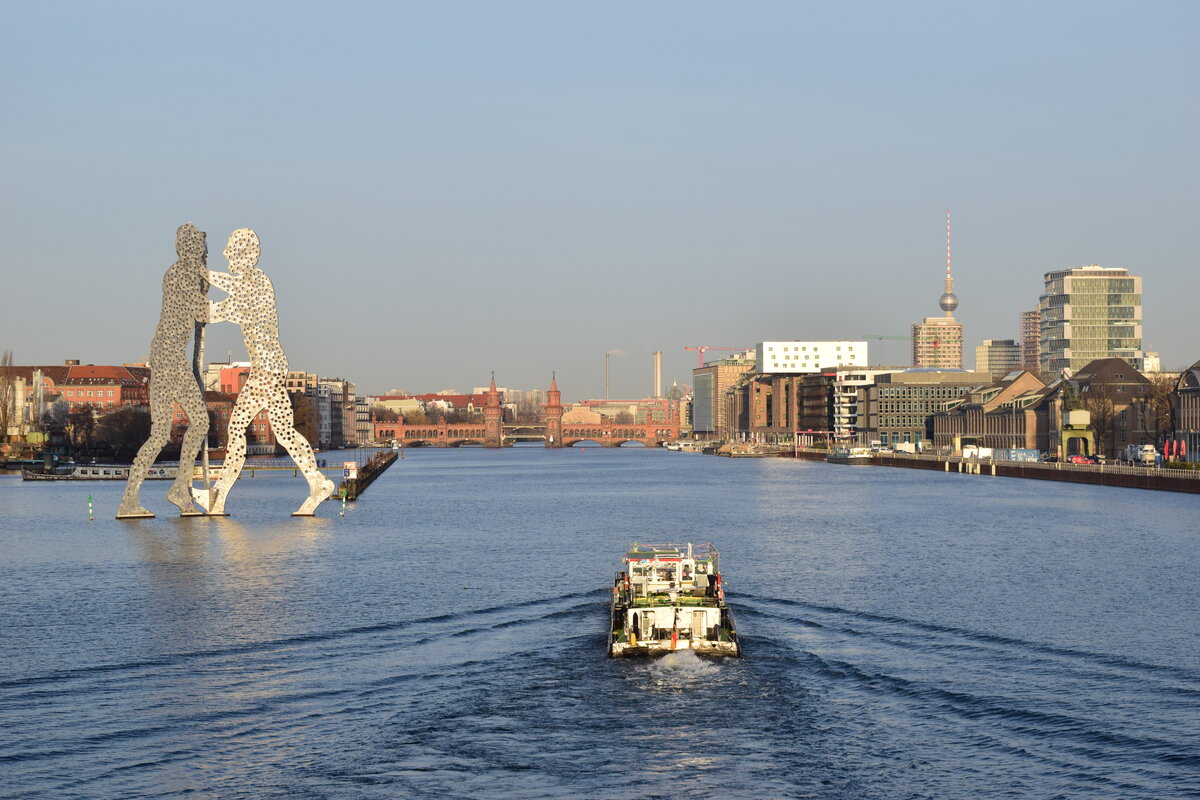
(948, 300)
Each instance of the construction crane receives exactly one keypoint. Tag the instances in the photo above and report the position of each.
(704, 348)
(934, 343)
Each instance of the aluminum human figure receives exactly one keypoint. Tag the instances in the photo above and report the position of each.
(251, 305)
(172, 377)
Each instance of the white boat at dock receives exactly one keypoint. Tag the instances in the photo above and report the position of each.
(671, 597)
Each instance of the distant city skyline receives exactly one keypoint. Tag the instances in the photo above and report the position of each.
(446, 191)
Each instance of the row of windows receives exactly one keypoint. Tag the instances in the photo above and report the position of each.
(894, 421)
(924, 392)
(928, 408)
(1100, 285)
(90, 393)
(804, 349)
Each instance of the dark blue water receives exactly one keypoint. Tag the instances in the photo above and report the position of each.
(908, 635)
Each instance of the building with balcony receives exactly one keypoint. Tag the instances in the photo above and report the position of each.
(1031, 338)
(1089, 313)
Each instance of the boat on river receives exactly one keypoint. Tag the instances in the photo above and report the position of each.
(849, 455)
(94, 472)
(671, 597)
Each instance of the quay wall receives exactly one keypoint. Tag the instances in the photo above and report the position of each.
(1100, 474)
(1166, 480)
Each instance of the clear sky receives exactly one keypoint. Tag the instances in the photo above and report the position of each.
(447, 189)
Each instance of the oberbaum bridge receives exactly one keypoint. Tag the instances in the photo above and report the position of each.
(493, 432)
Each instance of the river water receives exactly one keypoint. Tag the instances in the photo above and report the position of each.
(908, 635)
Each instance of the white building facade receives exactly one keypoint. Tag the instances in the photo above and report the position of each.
(797, 357)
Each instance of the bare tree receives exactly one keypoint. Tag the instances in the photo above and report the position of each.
(1098, 401)
(384, 414)
(81, 425)
(54, 421)
(528, 410)
(1160, 401)
(8, 411)
(124, 430)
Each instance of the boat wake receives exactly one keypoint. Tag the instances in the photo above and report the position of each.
(683, 667)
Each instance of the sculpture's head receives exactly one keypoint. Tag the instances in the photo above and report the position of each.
(242, 249)
(191, 243)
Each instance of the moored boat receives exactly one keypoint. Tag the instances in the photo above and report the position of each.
(94, 472)
(671, 597)
(849, 455)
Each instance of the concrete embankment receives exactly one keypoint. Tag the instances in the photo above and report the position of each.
(1167, 480)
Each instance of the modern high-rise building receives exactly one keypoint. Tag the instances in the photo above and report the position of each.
(1031, 337)
(998, 356)
(937, 342)
(1088, 313)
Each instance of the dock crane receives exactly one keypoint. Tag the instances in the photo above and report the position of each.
(704, 348)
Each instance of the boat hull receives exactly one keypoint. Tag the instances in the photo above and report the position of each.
(93, 472)
(857, 461)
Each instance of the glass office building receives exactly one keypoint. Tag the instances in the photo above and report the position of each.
(1088, 313)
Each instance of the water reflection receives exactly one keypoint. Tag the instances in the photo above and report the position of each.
(213, 580)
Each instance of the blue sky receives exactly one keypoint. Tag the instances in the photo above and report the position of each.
(443, 190)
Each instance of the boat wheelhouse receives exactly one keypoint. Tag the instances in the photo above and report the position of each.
(671, 597)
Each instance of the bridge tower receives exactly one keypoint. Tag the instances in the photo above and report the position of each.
(493, 423)
(553, 412)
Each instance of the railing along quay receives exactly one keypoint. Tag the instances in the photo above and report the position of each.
(1132, 477)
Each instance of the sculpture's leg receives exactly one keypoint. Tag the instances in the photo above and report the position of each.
(197, 414)
(160, 426)
(244, 411)
(283, 423)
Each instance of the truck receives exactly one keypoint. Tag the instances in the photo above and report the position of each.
(974, 451)
(1017, 454)
(1141, 455)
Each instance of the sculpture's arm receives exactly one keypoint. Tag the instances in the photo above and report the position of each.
(223, 311)
(222, 280)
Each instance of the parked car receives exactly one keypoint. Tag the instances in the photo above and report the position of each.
(1078, 459)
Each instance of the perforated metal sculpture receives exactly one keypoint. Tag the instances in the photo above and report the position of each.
(184, 310)
(251, 304)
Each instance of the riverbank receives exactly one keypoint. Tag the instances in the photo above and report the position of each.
(1165, 480)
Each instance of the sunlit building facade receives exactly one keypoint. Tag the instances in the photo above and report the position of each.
(1089, 313)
